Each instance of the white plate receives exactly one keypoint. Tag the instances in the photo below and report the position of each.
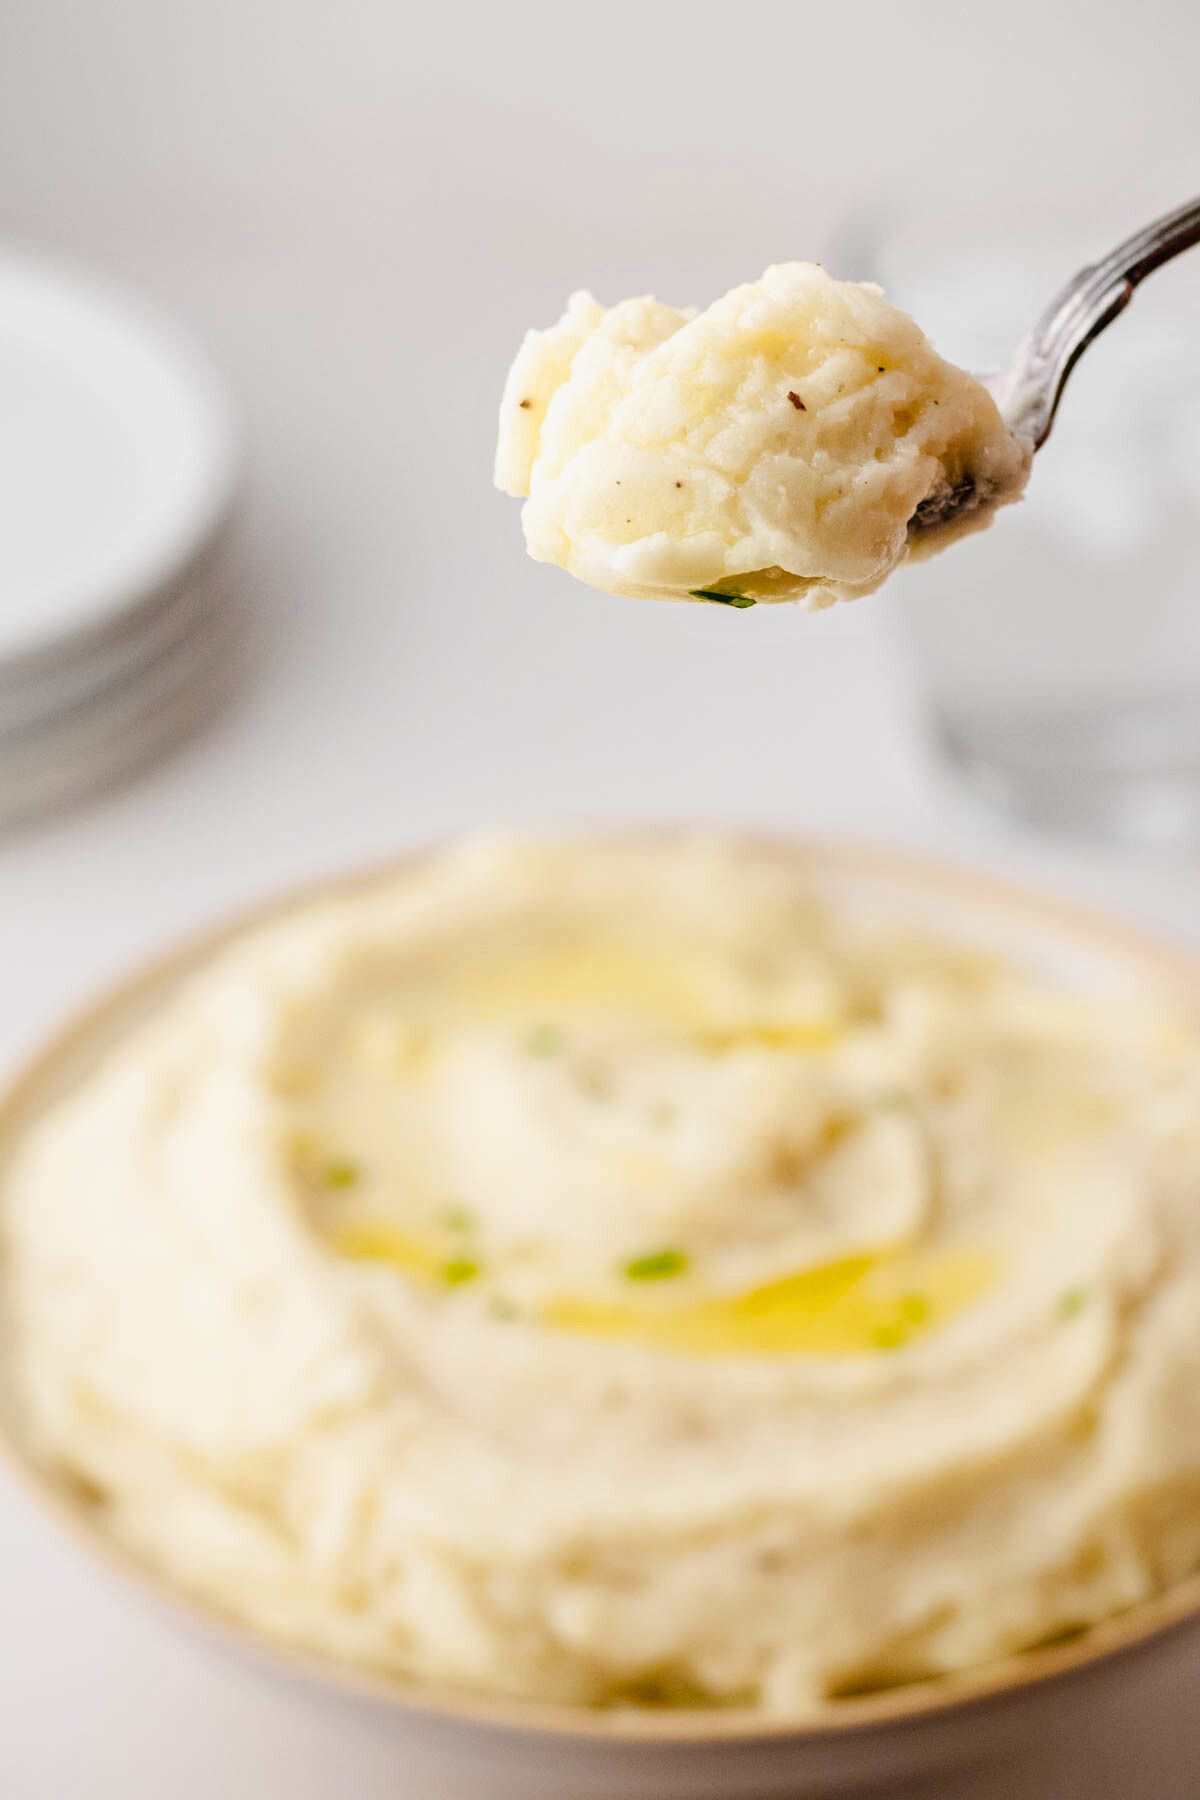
(133, 720)
(46, 694)
(118, 458)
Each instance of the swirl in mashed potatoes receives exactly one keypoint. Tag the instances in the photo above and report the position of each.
(606, 1272)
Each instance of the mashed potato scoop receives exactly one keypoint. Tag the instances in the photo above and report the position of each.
(796, 441)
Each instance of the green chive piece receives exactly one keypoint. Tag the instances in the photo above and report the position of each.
(738, 600)
(544, 1040)
(458, 1269)
(1072, 1302)
(458, 1218)
(657, 1265)
(341, 1173)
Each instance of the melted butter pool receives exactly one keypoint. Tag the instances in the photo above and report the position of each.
(845, 1308)
(384, 1244)
(665, 989)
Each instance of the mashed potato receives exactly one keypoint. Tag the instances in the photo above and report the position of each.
(774, 447)
(602, 1272)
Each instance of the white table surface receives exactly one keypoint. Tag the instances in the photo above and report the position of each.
(359, 210)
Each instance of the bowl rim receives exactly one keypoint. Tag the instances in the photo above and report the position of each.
(909, 1704)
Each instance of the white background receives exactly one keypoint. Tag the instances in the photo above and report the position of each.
(358, 208)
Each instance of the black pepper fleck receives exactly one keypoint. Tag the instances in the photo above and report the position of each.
(796, 401)
(525, 403)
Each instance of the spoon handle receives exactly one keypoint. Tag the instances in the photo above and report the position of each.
(1029, 392)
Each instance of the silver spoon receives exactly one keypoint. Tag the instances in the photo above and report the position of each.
(1029, 390)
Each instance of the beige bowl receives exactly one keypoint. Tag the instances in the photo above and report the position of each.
(1112, 1713)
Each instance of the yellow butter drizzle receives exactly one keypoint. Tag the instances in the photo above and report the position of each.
(590, 978)
(806, 1037)
(617, 981)
(383, 1244)
(844, 1308)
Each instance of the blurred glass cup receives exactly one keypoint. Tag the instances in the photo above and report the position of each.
(1059, 652)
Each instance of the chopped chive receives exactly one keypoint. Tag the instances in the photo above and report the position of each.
(341, 1173)
(739, 600)
(544, 1040)
(656, 1265)
(458, 1218)
(1072, 1301)
(458, 1269)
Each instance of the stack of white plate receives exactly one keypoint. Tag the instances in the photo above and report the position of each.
(118, 465)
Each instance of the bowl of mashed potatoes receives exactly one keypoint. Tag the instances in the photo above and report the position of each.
(659, 1313)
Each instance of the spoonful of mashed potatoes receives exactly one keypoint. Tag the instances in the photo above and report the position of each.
(777, 446)
(796, 441)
